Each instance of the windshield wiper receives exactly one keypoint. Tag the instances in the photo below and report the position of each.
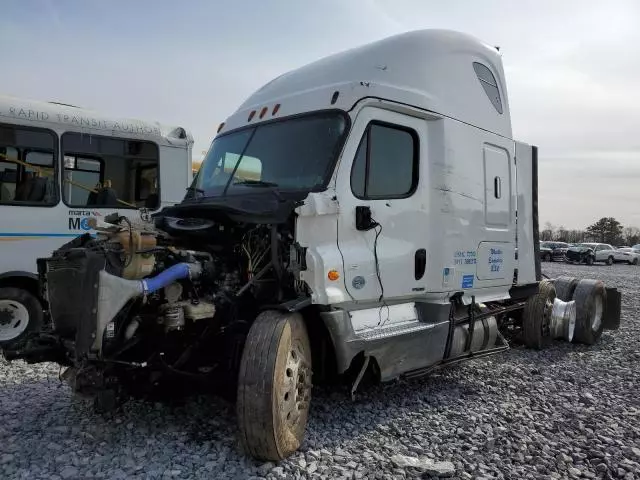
(195, 189)
(262, 183)
(257, 183)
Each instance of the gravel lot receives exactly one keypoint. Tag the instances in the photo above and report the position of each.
(567, 412)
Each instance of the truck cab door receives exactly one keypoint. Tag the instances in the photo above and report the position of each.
(382, 220)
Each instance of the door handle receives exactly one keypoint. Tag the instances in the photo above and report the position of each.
(420, 263)
(364, 220)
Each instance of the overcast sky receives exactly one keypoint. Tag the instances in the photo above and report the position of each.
(573, 70)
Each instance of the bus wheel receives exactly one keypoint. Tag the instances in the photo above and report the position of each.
(20, 314)
(274, 386)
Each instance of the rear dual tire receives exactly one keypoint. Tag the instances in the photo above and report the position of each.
(565, 286)
(590, 297)
(536, 316)
(591, 300)
(274, 386)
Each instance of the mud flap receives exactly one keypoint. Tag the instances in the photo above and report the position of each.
(613, 309)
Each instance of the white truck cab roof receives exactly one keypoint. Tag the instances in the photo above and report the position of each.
(436, 70)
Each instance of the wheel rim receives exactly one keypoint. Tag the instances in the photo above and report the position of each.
(14, 319)
(296, 389)
(597, 314)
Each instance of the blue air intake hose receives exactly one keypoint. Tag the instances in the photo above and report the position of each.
(170, 275)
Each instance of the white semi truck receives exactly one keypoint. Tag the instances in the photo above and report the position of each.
(357, 217)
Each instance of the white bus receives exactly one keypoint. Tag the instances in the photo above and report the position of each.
(61, 165)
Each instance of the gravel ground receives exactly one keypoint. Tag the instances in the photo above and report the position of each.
(567, 412)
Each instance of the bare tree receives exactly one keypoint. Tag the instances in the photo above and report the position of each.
(561, 234)
(631, 235)
(547, 233)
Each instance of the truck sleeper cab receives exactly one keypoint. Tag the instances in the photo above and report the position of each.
(357, 216)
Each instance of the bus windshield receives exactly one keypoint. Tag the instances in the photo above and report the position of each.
(293, 154)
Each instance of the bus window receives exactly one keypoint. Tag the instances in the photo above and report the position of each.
(129, 167)
(80, 172)
(27, 167)
(146, 188)
(8, 174)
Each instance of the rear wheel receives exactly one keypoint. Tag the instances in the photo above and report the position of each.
(537, 315)
(591, 299)
(274, 386)
(20, 314)
(565, 286)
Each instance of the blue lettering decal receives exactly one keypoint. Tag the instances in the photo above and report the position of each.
(467, 281)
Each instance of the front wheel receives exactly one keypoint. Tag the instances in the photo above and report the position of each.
(20, 314)
(589, 260)
(547, 257)
(610, 261)
(274, 386)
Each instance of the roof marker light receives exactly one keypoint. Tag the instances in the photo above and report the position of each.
(251, 115)
(220, 127)
(263, 111)
(334, 97)
(275, 109)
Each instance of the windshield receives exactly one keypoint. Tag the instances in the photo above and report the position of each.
(294, 154)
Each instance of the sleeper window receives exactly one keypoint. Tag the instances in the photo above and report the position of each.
(386, 163)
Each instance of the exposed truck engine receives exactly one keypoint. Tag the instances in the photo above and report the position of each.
(357, 218)
(174, 300)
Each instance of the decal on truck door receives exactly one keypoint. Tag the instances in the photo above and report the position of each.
(467, 281)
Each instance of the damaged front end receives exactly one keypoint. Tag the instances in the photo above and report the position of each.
(144, 312)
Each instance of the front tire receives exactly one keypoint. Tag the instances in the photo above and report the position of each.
(274, 386)
(610, 261)
(20, 314)
(547, 257)
(589, 260)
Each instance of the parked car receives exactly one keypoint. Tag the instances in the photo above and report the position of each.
(595, 252)
(545, 252)
(633, 255)
(553, 251)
